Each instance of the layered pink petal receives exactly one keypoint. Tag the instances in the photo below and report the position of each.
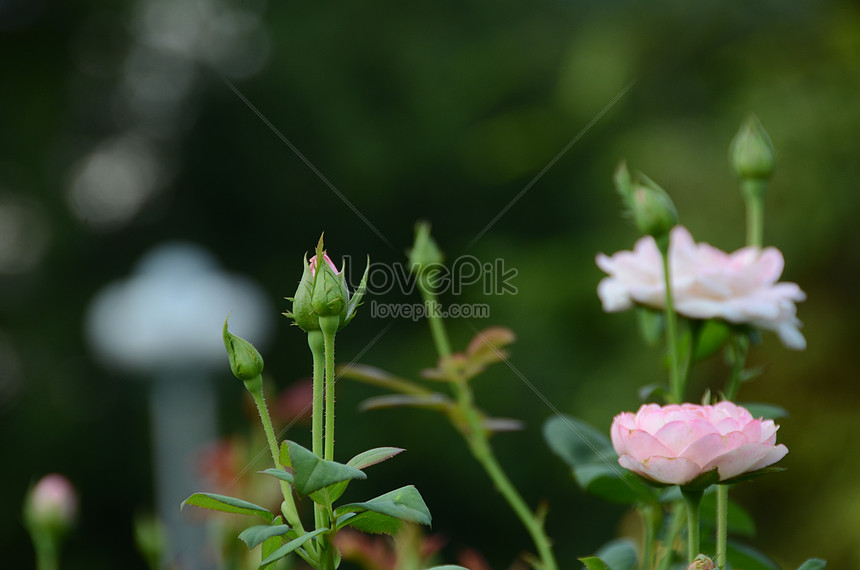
(707, 283)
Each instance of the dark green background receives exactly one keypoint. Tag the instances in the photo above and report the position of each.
(441, 111)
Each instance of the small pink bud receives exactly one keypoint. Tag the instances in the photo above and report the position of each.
(313, 264)
(702, 562)
(53, 502)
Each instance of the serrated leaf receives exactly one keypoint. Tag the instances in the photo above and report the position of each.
(310, 473)
(813, 564)
(291, 546)
(253, 536)
(225, 504)
(594, 563)
(405, 504)
(374, 456)
(371, 522)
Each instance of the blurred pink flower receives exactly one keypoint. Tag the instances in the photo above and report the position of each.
(674, 444)
(53, 501)
(313, 263)
(739, 287)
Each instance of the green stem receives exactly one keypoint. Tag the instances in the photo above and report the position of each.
(753, 190)
(676, 523)
(652, 518)
(676, 382)
(317, 346)
(255, 387)
(476, 437)
(722, 525)
(693, 498)
(329, 326)
(47, 557)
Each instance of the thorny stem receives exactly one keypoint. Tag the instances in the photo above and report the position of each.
(476, 436)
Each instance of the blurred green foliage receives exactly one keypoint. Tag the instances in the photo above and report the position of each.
(441, 111)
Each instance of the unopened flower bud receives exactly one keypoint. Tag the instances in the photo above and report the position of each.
(751, 152)
(329, 296)
(424, 250)
(51, 506)
(702, 562)
(245, 362)
(323, 292)
(650, 207)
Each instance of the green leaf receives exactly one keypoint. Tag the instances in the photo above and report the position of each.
(371, 522)
(577, 442)
(813, 564)
(270, 545)
(618, 554)
(595, 463)
(291, 546)
(226, 504)
(748, 558)
(252, 536)
(373, 456)
(594, 563)
(651, 324)
(433, 401)
(766, 411)
(279, 473)
(405, 504)
(604, 481)
(310, 473)
(710, 337)
(753, 474)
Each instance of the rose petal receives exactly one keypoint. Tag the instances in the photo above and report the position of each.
(671, 470)
(712, 446)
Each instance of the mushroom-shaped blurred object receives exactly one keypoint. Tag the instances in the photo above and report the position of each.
(164, 323)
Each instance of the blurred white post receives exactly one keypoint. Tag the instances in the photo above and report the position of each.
(164, 324)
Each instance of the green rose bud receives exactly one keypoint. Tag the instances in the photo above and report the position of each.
(650, 207)
(424, 250)
(245, 362)
(751, 152)
(323, 292)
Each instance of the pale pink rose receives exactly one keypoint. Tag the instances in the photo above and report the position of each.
(674, 444)
(707, 283)
(313, 264)
(53, 500)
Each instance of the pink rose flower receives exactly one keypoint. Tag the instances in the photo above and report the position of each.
(674, 444)
(313, 263)
(707, 283)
